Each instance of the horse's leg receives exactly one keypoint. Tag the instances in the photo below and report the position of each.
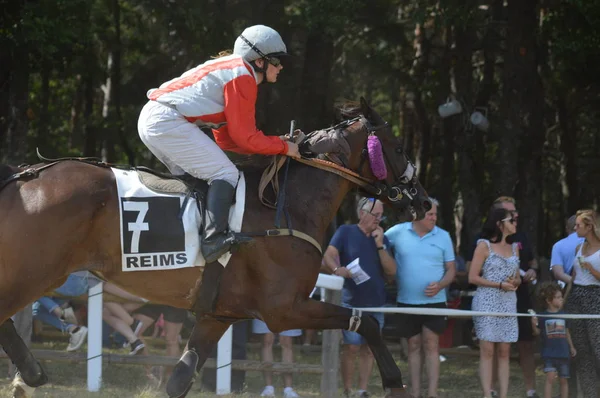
(30, 369)
(312, 314)
(205, 335)
(209, 288)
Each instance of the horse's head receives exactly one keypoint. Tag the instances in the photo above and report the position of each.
(391, 174)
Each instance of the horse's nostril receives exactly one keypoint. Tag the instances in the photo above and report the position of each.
(427, 205)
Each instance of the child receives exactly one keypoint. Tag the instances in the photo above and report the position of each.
(557, 346)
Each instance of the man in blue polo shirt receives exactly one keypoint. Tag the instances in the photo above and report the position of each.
(563, 254)
(425, 257)
(359, 253)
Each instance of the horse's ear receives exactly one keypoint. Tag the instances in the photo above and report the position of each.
(364, 106)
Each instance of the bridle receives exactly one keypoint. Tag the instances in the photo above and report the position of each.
(402, 190)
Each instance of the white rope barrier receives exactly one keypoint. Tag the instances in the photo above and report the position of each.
(467, 313)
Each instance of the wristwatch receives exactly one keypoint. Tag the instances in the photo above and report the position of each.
(384, 247)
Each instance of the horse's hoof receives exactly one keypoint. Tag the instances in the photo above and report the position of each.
(20, 389)
(18, 392)
(183, 375)
(34, 375)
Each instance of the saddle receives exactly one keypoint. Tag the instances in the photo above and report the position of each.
(170, 184)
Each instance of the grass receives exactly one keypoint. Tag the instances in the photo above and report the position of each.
(459, 378)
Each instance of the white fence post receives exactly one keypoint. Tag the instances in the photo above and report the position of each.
(331, 352)
(331, 338)
(94, 355)
(224, 363)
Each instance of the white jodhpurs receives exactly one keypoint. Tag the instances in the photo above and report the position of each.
(182, 146)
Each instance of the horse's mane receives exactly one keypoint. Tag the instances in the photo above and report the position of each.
(346, 110)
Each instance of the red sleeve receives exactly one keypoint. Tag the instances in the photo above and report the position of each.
(240, 99)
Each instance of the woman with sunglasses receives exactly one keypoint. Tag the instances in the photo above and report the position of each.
(219, 94)
(495, 271)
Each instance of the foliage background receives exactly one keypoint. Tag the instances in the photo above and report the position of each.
(74, 73)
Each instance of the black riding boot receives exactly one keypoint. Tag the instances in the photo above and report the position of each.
(216, 239)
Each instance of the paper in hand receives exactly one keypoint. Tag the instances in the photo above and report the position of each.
(358, 274)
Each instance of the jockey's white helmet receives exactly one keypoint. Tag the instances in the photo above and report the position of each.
(258, 41)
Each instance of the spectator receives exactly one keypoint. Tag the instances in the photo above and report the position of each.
(114, 314)
(173, 317)
(495, 271)
(359, 253)
(557, 346)
(58, 312)
(266, 355)
(563, 254)
(425, 257)
(50, 312)
(118, 317)
(528, 267)
(585, 299)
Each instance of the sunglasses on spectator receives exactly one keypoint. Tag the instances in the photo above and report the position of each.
(378, 217)
(510, 220)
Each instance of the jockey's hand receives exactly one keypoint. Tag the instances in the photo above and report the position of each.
(293, 150)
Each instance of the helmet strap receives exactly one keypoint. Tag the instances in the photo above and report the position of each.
(262, 69)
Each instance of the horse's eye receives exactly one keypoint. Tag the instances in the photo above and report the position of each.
(399, 149)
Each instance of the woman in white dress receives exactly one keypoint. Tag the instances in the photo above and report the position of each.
(495, 271)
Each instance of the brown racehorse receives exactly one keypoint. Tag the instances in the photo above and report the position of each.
(65, 218)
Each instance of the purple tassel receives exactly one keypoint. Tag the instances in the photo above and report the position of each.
(376, 159)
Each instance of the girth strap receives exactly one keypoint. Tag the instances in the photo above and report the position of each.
(287, 232)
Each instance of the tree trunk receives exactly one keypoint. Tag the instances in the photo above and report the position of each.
(5, 74)
(111, 111)
(317, 104)
(568, 147)
(518, 92)
(524, 96)
(116, 83)
(43, 141)
(465, 139)
(108, 148)
(407, 124)
(88, 129)
(14, 149)
(442, 173)
(420, 68)
(76, 136)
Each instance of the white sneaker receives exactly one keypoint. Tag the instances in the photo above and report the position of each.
(289, 392)
(269, 391)
(77, 339)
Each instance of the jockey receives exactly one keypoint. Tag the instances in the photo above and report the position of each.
(219, 94)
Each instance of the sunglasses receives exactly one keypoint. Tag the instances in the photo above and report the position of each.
(380, 218)
(510, 220)
(273, 61)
